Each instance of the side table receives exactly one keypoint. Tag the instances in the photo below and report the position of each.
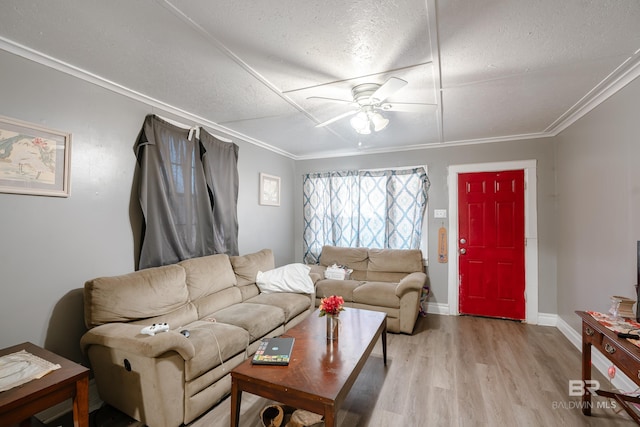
(18, 404)
(624, 355)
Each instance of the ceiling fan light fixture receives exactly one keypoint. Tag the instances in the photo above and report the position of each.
(379, 121)
(366, 121)
(371, 99)
(360, 122)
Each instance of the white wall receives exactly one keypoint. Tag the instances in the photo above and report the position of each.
(598, 186)
(50, 246)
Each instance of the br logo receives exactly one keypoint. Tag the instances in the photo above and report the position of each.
(579, 387)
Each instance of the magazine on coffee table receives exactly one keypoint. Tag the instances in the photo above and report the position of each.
(273, 351)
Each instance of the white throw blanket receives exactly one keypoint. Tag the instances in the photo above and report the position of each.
(288, 278)
(21, 367)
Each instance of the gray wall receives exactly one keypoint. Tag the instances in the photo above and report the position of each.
(50, 246)
(598, 222)
(437, 161)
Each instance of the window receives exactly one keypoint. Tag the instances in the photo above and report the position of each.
(369, 208)
(182, 185)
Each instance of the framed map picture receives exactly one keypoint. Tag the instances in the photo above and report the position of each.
(269, 190)
(33, 160)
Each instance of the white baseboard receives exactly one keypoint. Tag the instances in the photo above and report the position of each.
(49, 415)
(437, 308)
(547, 319)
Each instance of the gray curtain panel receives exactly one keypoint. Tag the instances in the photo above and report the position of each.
(177, 204)
(220, 162)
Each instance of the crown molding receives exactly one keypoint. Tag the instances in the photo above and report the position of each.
(624, 74)
(64, 67)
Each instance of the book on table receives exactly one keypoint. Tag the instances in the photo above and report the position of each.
(273, 351)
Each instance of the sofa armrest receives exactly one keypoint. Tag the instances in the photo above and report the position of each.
(316, 272)
(315, 277)
(413, 281)
(125, 336)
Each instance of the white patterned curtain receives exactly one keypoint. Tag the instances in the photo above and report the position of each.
(373, 209)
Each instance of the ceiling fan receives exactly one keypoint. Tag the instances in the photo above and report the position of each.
(368, 100)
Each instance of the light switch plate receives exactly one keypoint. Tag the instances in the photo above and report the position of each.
(439, 213)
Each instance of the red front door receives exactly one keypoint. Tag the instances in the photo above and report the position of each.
(491, 244)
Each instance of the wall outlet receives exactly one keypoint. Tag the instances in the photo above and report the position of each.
(439, 213)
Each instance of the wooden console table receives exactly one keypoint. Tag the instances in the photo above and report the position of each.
(624, 355)
(71, 381)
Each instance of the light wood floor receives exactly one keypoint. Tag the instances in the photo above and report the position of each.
(460, 371)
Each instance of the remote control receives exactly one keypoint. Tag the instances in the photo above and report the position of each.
(632, 336)
(155, 328)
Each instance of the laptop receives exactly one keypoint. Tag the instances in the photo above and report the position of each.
(273, 351)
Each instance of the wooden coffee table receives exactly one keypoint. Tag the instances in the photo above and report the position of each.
(320, 373)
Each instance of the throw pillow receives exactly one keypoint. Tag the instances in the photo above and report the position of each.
(288, 278)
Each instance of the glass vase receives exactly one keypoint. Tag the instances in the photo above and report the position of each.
(614, 311)
(332, 327)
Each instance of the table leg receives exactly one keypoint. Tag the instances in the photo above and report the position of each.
(329, 417)
(586, 377)
(384, 343)
(623, 400)
(236, 399)
(81, 403)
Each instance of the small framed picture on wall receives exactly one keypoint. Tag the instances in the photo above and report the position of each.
(269, 190)
(33, 159)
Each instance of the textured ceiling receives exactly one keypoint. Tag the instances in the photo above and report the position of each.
(497, 69)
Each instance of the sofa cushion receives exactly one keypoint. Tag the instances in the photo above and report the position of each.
(257, 319)
(246, 267)
(181, 316)
(214, 302)
(139, 295)
(292, 304)
(288, 278)
(344, 288)
(395, 260)
(381, 294)
(212, 340)
(354, 258)
(208, 274)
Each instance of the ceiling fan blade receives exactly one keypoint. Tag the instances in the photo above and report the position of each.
(341, 101)
(406, 107)
(336, 118)
(389, 87)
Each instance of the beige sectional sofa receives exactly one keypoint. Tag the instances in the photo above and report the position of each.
(389, 280)
(167, 379)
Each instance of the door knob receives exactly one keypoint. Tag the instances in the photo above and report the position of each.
(463, 241)
(463, 251)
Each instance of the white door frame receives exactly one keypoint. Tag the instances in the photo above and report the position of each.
(530, 230)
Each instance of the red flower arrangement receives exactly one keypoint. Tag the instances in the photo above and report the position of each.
(332, 305)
